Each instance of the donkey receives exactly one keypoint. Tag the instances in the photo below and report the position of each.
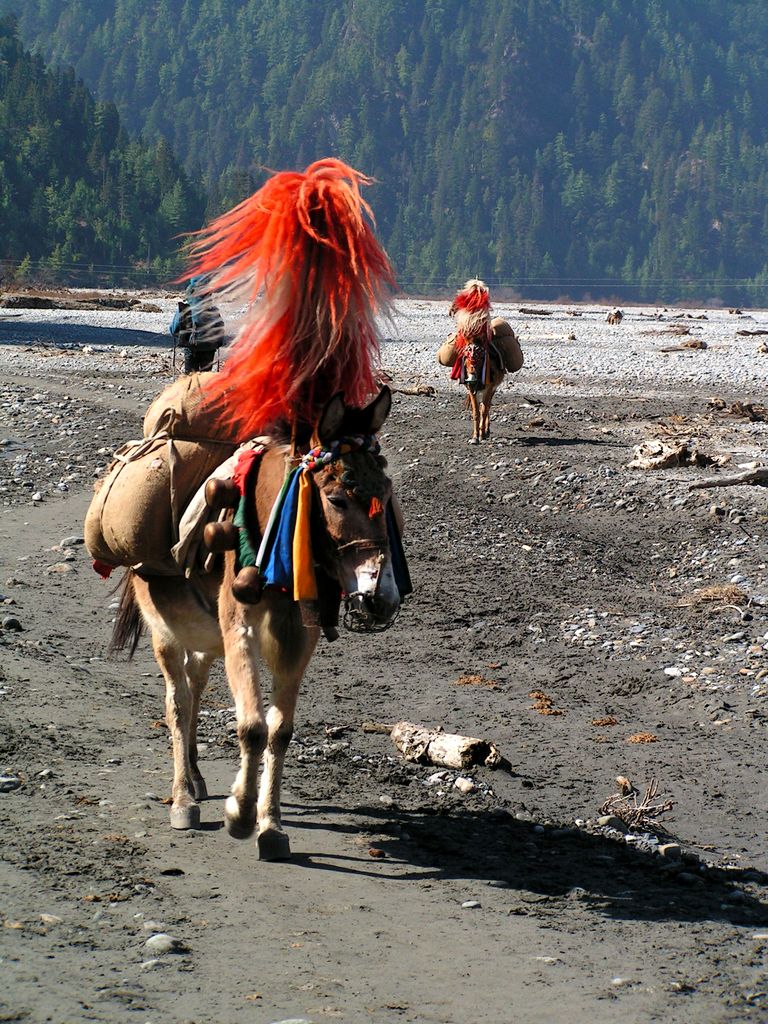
(479, 354)
(194, 621)
(482, 374)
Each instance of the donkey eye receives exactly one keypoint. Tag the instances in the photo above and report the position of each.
(338, 501)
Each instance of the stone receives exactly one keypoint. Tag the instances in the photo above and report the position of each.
(162, 942)
(464, 785)
(670, 850)
(471, 905)
(611, 821)
(8, 783)
(11, 623)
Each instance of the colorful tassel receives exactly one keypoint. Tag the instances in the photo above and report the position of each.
(304, 582)
(376, 507)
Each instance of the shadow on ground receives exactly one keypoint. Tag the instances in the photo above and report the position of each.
(67, 334)
(605, 875)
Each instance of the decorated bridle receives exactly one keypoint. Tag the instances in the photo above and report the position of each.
(355, 618)
(285, 557)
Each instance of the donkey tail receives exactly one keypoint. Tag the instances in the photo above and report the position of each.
(129, 624)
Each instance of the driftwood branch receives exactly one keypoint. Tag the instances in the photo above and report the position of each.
(638, 814)
(448, 750)
(380, 727)
(421, 390)
(758, 477)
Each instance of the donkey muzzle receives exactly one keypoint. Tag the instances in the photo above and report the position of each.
(369, 613)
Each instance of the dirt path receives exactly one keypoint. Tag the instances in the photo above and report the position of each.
(541, 564)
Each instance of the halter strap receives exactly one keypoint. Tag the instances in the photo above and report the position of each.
(319, 456)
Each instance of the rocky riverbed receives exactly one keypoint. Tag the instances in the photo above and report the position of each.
(596, 621)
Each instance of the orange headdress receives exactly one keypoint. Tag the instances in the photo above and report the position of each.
(472, 309)
(302, 254)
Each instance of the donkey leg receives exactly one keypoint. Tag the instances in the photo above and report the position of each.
(485, 415)
(286, 646)
(185, 812)
(475, 417)
(240, 659)
(198, 666)
(490, 391)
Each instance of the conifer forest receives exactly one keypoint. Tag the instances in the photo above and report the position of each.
(579, 148)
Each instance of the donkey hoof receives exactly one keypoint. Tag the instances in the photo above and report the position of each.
(199, 789)
(185, 817)
(273, 845)
(237, 826)
(474, 440)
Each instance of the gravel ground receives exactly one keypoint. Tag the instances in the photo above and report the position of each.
(594, 620)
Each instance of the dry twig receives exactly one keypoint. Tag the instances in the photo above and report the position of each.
(758, 477)
(728, 594)
(640, 815)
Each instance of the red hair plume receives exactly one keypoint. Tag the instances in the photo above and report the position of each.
(302, 253)
(472, 309)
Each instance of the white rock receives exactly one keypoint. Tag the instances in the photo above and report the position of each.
(464, 785)
(163, 943)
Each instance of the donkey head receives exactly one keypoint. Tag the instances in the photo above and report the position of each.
(354, 492)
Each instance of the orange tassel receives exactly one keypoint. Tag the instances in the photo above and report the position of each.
(302, 253)
(376, 508)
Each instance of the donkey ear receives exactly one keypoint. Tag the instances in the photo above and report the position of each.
(331, 418)
(376, 412)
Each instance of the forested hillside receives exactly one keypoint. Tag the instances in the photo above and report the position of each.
(79, 199)
(611, 147)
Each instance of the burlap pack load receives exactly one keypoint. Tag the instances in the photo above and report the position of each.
(508, 344)
(447, 354)
(181, 412)
(135, 513)
(504, 338)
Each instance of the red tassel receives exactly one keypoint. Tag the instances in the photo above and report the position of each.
(104, 569)
(472, 309)
(302, 253)
(376, 508)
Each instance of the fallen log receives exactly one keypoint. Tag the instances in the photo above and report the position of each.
(751, 334)
(420, 390)
(447, 750)
(694, 343)
(758, 477)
